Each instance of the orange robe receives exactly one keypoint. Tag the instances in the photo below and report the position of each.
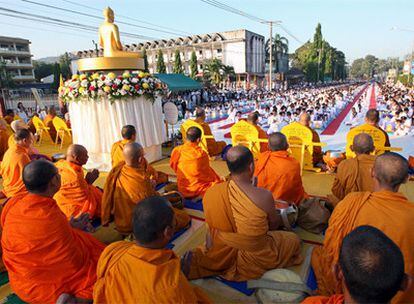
(4, 141)
(192, 166)
(117, 157)
(76, 196)
(48, 121)
(264, 146)
(335, 299)
(11, 170)
(214, 147)
(280, 173)
(390, 212)
(128, 273)
(241, 246)
(43, 254)
(317, 156)
(8, 119)
(354, 175)
(124, 187)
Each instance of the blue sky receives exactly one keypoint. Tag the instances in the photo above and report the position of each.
(357, 27)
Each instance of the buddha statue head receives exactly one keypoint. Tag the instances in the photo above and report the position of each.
(109, 14)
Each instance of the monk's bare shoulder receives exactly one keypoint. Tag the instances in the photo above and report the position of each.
(261, 197)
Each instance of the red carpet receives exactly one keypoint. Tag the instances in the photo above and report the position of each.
(334, 125)
(227, 135)
(227, 126)
(373, 100)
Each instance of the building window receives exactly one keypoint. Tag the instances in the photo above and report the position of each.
(219, 51)
(200, 52)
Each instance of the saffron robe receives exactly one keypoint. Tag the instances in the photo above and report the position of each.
(280, 173)
(241, 246)
(128, 273)
(192, 166)
(76, 196)
(388, 211)
(43, 254)
(124, 188)
(214, 147)
(264, 146)
(48, 121)
(317, 156)
(335, 299)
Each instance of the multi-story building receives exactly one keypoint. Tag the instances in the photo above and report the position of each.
(15, 54)
(241, 49)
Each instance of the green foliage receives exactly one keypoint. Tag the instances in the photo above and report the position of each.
(280, 45)
(6, 80)
(42, 69)
(56, 76)
(144, 55)
(370, 65)
(405, 80)
(161, 69)
(64, 63)
(193, 65)
(216, 72)
(178, 65)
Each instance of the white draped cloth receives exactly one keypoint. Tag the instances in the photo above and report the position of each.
(97, 124)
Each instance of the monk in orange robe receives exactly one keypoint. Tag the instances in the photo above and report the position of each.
(385, 209)
(192, 166)
(305, 120)
(14, 160)
(126, 185)
(279, 173)
(48, 121)
(9, 117)
(253, 119)
(354, 174)
(45, 255)
(242, 242)
(144, 271)
(372, 118)
(77, 194)
(214, 147)
(366, 257)
(4, 137)
(129, 135)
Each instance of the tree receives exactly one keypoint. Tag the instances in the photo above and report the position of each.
(144, 55)
(65, 63)
(178, 66)
(161, 69)
(56, 76)
(6, 80)
(193, 65)
(42, 69)
(280, 45)
(213, 71)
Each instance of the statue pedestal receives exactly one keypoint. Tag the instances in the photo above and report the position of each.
(97, 124)
(110, 64)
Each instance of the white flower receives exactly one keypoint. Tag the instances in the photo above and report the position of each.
(125, 81)
(117, 81)
(84, 83)
(134, 80)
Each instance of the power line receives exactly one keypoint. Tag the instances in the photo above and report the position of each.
(128, 18)
(96, 17)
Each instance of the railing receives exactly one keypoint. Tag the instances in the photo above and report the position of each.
(23, 77)
(29, 101)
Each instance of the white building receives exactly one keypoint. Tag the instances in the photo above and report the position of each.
(15, 53)
(241, 49)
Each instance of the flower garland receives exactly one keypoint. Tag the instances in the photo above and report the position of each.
(98, 85)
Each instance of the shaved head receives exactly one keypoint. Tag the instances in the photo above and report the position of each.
(253, 117)
(77, 154)
(372, 116)
(132, 153)
(278, 142)
(128, 132)
(22, 134)
(38, 174)
(239, 158)
(363, 144)
(304, 119)
(200, 112)
(193, 134)
(76, 149)
(390, 170)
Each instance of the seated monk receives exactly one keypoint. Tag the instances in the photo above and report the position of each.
(305, 120)
(126, 185)
(372, 118)
(48, 121)
(214, 147)
(242, 242)
(192, 166)
(253, 119)
(279, 173)
(14, 160)
(370, 267)
(354, 174)
(385, 209)
(129, 134)
(4, 137)
(145, 271)
(44, 254)
(77, 195)
(9, 117)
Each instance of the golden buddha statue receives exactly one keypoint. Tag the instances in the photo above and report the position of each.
(114, 57)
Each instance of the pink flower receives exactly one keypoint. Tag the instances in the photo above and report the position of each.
(114, 86)
(136, 87)
(92, 88)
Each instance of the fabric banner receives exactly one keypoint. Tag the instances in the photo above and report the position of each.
(97, 125)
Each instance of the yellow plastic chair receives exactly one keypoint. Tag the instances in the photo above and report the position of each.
(301, 145)
(40, 128)
(191, 123)
(61, 130)
(377, 135)
(245, 134)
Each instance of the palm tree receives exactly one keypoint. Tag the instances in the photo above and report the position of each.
(228, 72)
(213, 71)
(280, 46)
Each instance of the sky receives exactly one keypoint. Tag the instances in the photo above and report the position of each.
(356, 27)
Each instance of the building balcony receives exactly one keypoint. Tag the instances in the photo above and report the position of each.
(23, 78)
(19, 65)
(14, 52)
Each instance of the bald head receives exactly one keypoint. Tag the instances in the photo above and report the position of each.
(193, 134)
(253, 118)
(38, 174)
(363, 144)
(304, 119)
(133, 152)
(239, 159)
(278, 142)
(372, 116)
(390, 170)
(128, 132)
(77, 154)
(200, 113)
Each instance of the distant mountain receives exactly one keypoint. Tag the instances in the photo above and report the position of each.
(48, 59)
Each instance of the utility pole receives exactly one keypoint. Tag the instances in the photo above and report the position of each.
(320, 51)
(271, 23)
